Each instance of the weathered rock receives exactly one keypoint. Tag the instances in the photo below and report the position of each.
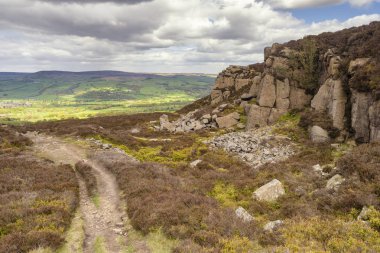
(195, 163)
(228, 121)
(254, 91)
(165, 124)
(273, 225)
(226, 94)
(223, 82)
(246, 97)
(298, 98)
(334, 182)
(280, 64)
(257, 117)
(319, 135)
(267, 52)
(216, 97)
(269, 62)
(267, 94)
(360, 115)
(275, 114)
(338, 108)
(331, 98)
(241, 83)
(334, 63)
(269, 192)
(243, 214)
(357, 63)
(374, 118)
(282, 94)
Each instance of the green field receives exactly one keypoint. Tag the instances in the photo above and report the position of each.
(60, 95)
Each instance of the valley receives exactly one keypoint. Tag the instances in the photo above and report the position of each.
(54, 95)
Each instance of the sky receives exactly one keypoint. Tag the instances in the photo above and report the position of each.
(162, 36)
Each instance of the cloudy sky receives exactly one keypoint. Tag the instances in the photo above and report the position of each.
(161, 35)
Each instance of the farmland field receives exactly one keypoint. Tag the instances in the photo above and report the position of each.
(54, 95)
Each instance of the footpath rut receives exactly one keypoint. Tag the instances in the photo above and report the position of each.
(103, 223)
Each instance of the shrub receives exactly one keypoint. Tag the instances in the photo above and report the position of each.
(86, 172)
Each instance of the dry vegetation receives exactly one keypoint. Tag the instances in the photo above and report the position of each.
(37, 198)
(196, 205)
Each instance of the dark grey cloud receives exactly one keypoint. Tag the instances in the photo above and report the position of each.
(96, 1)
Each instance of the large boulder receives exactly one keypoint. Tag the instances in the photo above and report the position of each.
(360, 102)
(374, 118)
(269, 192)
(254, 91)
(282, 94)
(257, 117)
(228, 121)
(319, 135)
(241, 83)
(267, 93)
(298, 98)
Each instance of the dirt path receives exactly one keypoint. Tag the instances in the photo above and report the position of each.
(103, 218)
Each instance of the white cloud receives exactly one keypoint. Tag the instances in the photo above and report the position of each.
(295, 4)
(152, 36)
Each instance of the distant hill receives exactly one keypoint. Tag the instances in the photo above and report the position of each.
(96, 92)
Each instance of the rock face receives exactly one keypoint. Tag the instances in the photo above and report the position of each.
(319, 135)
(331, 98)
(269, 192)
(360, 115)
(267, 93)
(298, 98)
(340, 91)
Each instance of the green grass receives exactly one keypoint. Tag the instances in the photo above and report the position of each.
(96, 200)
(99, 245)
(56, 97)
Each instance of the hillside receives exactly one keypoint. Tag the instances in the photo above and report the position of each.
(49, 95)
(283, 156)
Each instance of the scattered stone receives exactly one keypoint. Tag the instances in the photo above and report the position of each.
(269, 192)
(363, 216)
(195, 163)
(335, 182)
(135, 131)
(273, 225)
(243, 214)
(319, 135)
(256, 147)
